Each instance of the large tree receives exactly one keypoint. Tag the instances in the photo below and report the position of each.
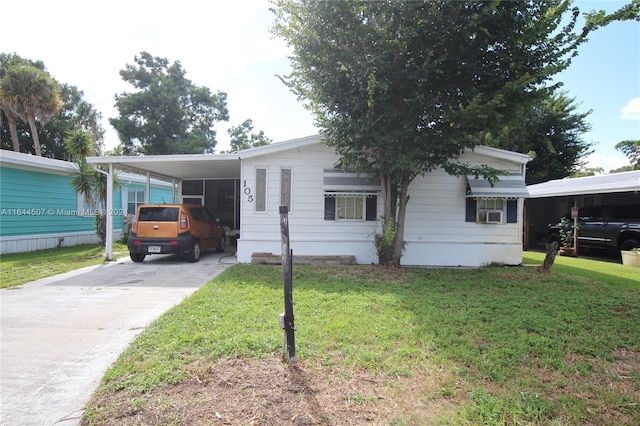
(167, 114)
(242, 136)
(31, 94)
(551, 130)
(632, 150)
(76, 115)
(11, 60)
(399, 86)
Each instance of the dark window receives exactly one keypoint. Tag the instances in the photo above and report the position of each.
(158, 214)
(470, 210)
(192, 187)
(285, 187)
(261, 190)
(372, 206)
(512, 211)
(188, 200)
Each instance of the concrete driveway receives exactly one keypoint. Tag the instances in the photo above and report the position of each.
(59, 335)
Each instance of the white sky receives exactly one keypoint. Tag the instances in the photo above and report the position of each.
(226, 46)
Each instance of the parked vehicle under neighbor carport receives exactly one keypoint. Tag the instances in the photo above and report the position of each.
(605, 228)
(182, 229)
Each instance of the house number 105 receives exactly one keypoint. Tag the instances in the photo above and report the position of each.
(247, 192)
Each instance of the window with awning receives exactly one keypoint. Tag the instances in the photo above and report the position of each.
(510, 187)
(495, 204)
(349, 195)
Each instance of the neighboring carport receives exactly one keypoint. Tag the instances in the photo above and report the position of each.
(172, 168)
(551, 200)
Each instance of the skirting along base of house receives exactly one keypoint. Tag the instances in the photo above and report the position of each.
(272, 259)
(26, 243)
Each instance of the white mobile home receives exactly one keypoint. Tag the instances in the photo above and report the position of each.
(451, 221)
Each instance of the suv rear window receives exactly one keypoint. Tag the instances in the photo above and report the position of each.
(158, 214)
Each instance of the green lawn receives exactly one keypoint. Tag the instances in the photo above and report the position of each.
(19, 268)
(497, 345)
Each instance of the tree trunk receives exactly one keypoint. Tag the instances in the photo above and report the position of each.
(552, 251)
(389, 211)
(402, 210)
(34, 135)
(11, 119)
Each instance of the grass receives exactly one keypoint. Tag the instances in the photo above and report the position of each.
(508, 345)
(19, 268)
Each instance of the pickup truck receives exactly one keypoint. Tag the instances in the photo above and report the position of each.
(610, 228)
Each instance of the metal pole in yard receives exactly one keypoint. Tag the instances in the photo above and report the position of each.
(287, 273)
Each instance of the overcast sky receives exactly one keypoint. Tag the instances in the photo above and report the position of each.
(227, 46)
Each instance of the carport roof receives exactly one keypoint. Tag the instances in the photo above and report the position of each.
(198, 166)
(179, 167)
(601, 184)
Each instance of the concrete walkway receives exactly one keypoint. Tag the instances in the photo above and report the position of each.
(59, 335)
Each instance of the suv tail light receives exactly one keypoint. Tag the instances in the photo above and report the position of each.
(134, 226)
(184, 223)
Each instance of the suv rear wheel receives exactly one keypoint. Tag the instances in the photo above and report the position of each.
(194, 254)
(137, 257)
(629, 244)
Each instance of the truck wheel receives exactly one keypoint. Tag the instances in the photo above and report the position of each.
(137, 257)
(629, 244)
(194, 254)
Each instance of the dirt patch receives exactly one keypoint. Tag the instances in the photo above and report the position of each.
(268, 392)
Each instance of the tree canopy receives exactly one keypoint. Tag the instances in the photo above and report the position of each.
(242, 136)
(167, 114)
(551, 131)
(401, 88)
(631, 149)
(29, 93)
(76, 114)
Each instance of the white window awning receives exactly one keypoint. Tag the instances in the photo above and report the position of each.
(340, 180)
(507, 187)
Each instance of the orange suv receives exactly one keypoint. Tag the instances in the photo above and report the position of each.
(174, 228)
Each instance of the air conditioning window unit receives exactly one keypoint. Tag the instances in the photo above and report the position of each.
(494, 216)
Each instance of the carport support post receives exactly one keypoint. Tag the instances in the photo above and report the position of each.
(287, 273)
(575, 226)
(108, 240)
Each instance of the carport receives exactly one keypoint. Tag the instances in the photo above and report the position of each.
(551, 200)
(218, 175)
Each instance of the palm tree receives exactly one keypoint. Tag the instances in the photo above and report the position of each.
(5, 61)
(29, 92)
(11, 120)
(80, 146)
(86, 180)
